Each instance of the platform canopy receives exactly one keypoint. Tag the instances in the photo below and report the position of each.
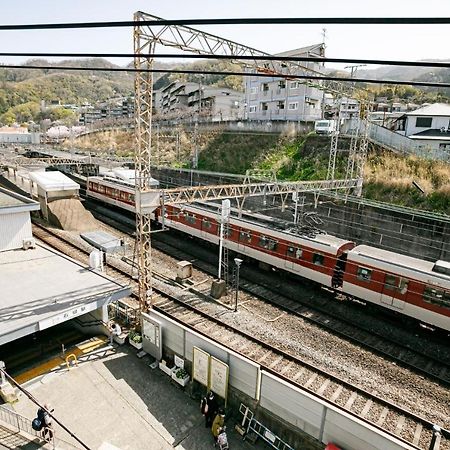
(53, 181)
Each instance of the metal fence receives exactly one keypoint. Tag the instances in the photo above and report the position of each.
(21, 423)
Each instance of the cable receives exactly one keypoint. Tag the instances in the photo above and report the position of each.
(227, 73)
(30, 396)
(235, 57)
(158, 22)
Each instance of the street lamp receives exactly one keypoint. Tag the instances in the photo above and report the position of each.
(238, 263)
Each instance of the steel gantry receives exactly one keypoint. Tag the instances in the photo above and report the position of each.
(184, 38)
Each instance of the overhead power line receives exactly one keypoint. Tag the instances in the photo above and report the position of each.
(227, 73)
(241, 21)
(436, 64)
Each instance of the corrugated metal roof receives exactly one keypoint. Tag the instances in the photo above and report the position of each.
(436, 109)
(53, 181)
(41, 288)
(10, 202)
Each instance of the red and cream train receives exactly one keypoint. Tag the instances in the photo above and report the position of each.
(409, 286)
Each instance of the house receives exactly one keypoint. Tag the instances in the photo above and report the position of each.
(428, 125)
(217, 103)
(275, 98)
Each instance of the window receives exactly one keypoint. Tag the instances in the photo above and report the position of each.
(391, 282)
(436, 296)
(265, 87)
(423, 122)
(252, 109)
(191, 218)
(264, 106)
(206, 224)
(253, 90)
(364, 274)
(293, 105)
(282, 84)
(269, 244)
(294, 85)
(280, 105)
(294, 252)
(318, 259)
(245, 236)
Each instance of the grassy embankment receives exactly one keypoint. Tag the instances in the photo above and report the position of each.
(388, 177)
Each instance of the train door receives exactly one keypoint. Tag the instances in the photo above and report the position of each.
(394, 291)
(244, 240)
(292, 255)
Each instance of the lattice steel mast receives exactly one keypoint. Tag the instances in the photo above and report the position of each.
(187, 39)
(143, 139)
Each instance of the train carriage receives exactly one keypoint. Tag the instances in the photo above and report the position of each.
(410, 286)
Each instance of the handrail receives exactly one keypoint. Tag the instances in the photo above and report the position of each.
(22, 423)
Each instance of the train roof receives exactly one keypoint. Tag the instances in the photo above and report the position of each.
(281, 227)
(403, 261)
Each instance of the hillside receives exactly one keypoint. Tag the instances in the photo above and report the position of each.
(388, 177)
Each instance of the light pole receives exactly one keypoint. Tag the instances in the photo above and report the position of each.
(238, 263)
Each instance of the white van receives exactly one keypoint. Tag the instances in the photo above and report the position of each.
(325, 126)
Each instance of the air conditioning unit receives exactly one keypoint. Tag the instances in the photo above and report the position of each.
(28, 243)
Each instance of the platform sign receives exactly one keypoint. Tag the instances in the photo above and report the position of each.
(200, 366)
(151, 336)
(218, 377)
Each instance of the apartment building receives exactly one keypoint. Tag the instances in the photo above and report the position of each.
(275, 98)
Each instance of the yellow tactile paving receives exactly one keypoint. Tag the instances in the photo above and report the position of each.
(55, 363)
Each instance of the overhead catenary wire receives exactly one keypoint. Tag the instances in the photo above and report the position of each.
(158, 22)
(387, 62)
(228, 73)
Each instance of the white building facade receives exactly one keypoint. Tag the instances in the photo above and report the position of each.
(275, 98)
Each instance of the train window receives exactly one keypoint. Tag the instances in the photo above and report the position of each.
(191, 218)
(436, 297)
(391, 282)
(272, 245)
(364, 274)
(207, 224)
(294, 252)
(227, 230)
(269, 244)
(318, 259)
(245, 236)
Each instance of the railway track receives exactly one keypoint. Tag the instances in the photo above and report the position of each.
(434, 366)
(420, 361)
(187, 308)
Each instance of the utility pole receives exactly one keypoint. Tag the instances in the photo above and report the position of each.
(354, 68)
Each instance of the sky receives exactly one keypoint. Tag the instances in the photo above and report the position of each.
(401, 42)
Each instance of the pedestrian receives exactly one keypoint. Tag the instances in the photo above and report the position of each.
(46, 421)
(211, 409)
(218, 425)
(114, 330)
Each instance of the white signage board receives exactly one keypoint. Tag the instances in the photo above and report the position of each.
(200, 366)
(218, 377)
(179, 362)
(151, 336)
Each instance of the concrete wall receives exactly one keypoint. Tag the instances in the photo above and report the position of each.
(288, 411)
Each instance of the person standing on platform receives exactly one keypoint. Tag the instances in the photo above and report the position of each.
(218, 425)
(211, 409)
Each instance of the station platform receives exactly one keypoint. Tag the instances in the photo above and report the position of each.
(114, 400)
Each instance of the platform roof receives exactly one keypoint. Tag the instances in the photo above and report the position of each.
(42, 288)
(53, 181)
(10, 202)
